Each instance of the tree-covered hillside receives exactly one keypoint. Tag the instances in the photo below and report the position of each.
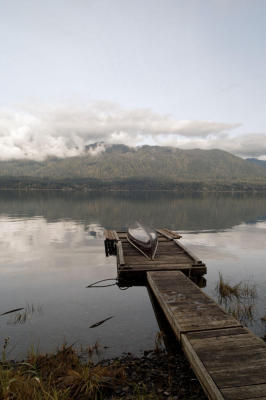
(147, 161)
(260, 163)
(119, 163)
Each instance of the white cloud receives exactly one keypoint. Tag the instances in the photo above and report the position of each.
(245, 145)
(35, 132)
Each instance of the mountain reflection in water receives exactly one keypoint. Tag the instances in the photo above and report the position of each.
(52, 248)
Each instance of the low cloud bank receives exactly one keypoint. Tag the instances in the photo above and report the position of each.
(36, 132)
(248, 145)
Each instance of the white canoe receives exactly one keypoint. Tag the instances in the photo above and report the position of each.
(143, 239)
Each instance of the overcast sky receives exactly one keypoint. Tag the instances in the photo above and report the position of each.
(186, 73)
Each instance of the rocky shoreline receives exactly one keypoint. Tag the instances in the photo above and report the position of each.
(66, 375)
(156, 375)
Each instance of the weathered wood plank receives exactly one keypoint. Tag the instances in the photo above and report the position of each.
(168, 233)
(216, 333)
(222, 343)
(122, 234)
(245, 392)
(167, 245)
(249, 376)
(161, 239)
(188, 252)
(120, 253)
(162, 244)
(230, 366)
(163, 232)
(257, 398)
(159, 254)
(174, 234)
(165, 267)
(186, 307)
(207, 383)
(234, 358)
(160, 260)
(132, 271)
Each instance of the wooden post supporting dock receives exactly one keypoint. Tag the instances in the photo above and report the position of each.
(111, 238)
(229, 361)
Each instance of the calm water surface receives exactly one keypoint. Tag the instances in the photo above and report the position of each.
(52, 247)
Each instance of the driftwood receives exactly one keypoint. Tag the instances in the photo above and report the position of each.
(101, 322)
(11, 311)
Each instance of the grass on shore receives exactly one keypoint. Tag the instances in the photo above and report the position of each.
(65, 376)
(60, 376)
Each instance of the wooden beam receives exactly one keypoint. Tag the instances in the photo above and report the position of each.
(168, 234)
(120, 253)
(207, 383)
(187, 308)
(196, 260)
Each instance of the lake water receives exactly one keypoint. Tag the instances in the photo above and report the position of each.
(51, 247)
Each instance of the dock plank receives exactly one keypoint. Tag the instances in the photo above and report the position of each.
(206, 381)
(187, 308)
(170, 254)
(120, 253)
(165, 259)
(129, 271)
(154, 266)
(245, 392)
(229, 360)
(236, 362)
(168, 233)
(189, 253)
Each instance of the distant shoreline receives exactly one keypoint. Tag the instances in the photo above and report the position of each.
(140, 184)
(128, 190)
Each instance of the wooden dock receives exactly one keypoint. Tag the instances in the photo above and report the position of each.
(229, 361)
(171, 255)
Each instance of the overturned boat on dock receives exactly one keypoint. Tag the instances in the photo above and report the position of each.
(144, 239)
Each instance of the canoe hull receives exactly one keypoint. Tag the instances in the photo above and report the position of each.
(143, 239)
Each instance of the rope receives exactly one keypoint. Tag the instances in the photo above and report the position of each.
(149, 258)
(92, 285)
(137, 248)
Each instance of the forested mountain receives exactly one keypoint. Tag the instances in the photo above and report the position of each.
(119, 163)
(260, 163)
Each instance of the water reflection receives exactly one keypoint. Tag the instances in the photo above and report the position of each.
(25, 239)
(116, 210)
(52, 248)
